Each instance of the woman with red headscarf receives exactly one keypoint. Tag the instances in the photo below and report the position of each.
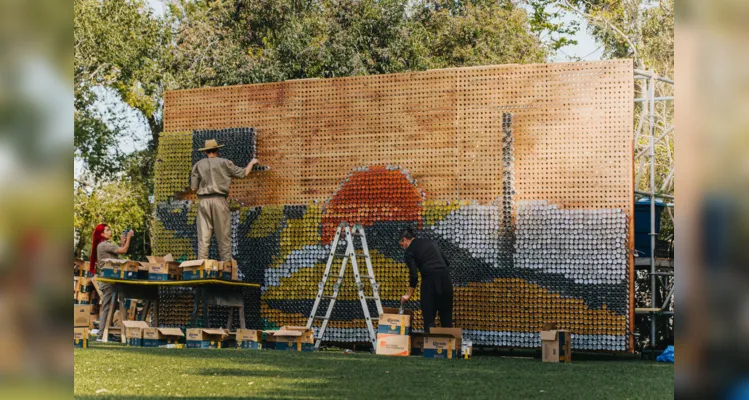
(102, 249)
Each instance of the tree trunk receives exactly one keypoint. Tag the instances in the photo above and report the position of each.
(79, 247)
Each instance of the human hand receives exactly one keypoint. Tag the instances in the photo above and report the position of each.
(405, 298)
(130, 233)
(254, 161)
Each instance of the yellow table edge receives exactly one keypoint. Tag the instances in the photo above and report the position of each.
(176, 283)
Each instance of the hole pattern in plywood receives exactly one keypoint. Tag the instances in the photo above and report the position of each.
(572, 149)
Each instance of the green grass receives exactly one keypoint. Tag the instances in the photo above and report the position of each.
(114, 371)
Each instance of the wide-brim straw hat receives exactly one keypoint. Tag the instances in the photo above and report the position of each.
(211, 144)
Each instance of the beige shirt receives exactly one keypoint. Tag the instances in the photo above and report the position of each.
(214, 175)
(104, 250)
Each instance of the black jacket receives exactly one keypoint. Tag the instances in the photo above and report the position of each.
(425, 256)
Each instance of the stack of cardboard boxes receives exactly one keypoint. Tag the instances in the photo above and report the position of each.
(84, 293)
(393, 333)
(394, 338)
(83, 287)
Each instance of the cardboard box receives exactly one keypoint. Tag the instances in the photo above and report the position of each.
(80, 337)
(142, 271)
(83, 298)
(132, 309)
(229, 270)
(85, 285)
(119, 269)
(156, 337)
(392, 323)
(249, 339)
(556, 344)
(81, 316)
(200, 338)
(134, 332)
(80, 268)
(163, 271)
(163, 268)
(440, 346)
(200, 269)
(160, 260)
(455, 332)
(393, 345)
(294, 338)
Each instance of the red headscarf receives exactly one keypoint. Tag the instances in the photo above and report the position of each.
(98, 238)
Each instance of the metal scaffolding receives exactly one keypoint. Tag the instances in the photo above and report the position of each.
(655, 90)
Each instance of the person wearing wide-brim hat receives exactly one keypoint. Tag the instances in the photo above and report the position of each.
(211, 178)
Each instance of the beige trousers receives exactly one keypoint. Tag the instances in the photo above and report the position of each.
(214, 216)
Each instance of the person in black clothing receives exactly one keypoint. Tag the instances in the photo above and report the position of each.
(436, 287)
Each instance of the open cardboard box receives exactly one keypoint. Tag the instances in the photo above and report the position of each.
(203, 338)
(249, 339)
(163, 268)
(229, 270)
(134, 332)
(442, 343)
(155, 337)
(200, 269)
(392, 323)
(295, 338)
(556, 344)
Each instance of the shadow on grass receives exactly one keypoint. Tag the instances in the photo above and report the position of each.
(244, 353)
(287, 375)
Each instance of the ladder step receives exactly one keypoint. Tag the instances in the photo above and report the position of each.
(319, 318)
(365, 277)
(371, 297)
(346, 255)
(327, 297)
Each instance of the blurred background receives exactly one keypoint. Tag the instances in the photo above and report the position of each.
(712, 221)
(36, 168)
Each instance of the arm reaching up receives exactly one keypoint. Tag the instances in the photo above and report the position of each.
(249, 166)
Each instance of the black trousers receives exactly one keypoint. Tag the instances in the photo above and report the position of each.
(437, 298)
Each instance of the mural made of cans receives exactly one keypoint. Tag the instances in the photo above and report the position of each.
(515, 265)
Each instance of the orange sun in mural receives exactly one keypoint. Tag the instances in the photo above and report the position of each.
(376, 194)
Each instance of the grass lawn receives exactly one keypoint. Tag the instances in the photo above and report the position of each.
(115, 371)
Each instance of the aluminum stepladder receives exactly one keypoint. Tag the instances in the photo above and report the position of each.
(349, 254)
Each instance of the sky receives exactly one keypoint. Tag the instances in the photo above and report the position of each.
(586, 49)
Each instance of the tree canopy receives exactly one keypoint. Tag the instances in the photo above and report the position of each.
(125, 52)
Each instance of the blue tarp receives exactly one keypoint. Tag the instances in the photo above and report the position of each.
(667, 355)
